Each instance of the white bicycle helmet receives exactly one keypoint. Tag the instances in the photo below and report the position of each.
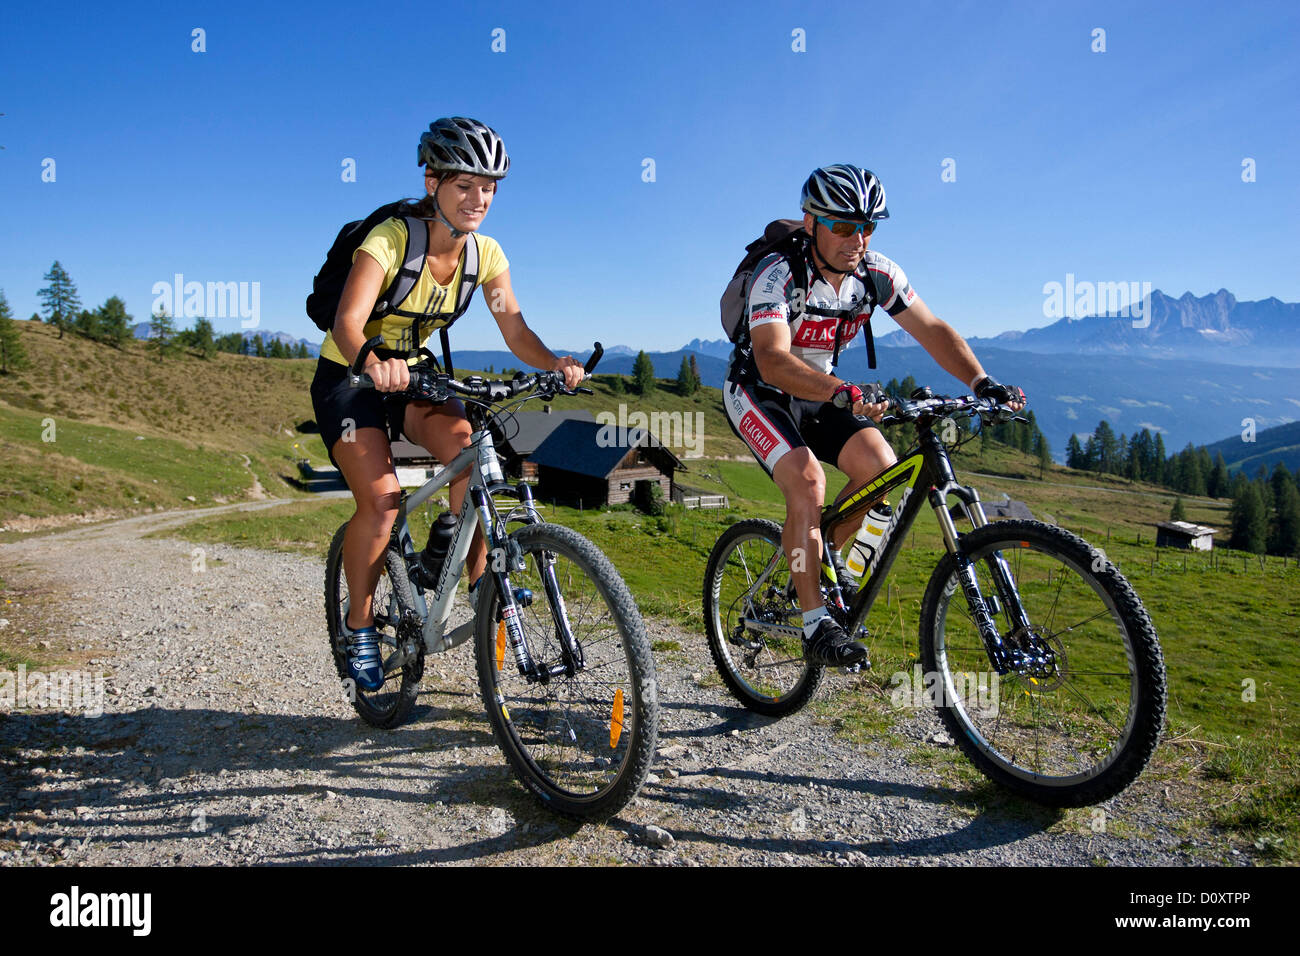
(844, 192)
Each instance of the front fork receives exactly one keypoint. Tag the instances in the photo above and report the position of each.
(1020, 650)
(504, 556)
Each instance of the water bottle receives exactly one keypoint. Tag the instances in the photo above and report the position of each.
(435, 552)
(867, 542)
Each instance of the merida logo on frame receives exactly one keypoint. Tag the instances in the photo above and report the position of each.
(103, 909)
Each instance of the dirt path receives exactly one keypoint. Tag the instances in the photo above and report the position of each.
(224, 739)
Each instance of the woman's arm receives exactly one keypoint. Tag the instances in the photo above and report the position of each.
(365, 280)
(519, 338)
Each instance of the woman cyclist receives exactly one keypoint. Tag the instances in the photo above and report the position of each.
(463, 161)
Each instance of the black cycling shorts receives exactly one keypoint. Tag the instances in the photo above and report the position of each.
(771, 423)
(335, 402)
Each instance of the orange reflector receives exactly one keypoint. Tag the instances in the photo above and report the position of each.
(1024, 544)
(616, 718)
(501, 644)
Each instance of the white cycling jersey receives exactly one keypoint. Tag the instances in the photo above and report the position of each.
(772, 298)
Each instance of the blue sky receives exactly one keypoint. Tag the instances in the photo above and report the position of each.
(225, 165)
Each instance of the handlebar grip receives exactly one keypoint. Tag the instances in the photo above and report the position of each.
(596, 353)
(360, 361)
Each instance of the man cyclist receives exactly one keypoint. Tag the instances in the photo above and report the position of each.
(781, 396)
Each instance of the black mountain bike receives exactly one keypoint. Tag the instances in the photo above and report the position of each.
(563, 660)
(1025, 608)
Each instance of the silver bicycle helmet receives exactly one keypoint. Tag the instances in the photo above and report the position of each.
(844, 192)
(456, 144)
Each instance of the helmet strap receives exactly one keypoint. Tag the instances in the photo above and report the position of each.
(817, 254)
(437, 211)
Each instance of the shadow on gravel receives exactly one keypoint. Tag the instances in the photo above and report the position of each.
(755, 784)
(142, 776)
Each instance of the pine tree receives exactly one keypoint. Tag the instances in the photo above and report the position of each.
(1177, 513)
(687, 383)
(1284, 537)
(277, 349)
(643, 374)
(201, 339)
(114, 323)
(162, 332)
(1217, 485)
(59, 298)
(1074, 452)
(695, 372)
(1091, 453)
(1106, 448)
(1044, 454)
(1249, 527)
(13, 356)
(1159, 473)
(259, 346)
(86, 323)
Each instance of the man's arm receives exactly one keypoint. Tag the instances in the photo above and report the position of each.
(944, 343)
(779, 368)
(941, 340)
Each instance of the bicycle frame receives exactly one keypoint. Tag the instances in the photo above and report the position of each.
(485, 481)
(926, 464)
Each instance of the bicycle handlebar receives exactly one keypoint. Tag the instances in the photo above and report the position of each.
(438, 386)
(926, 406)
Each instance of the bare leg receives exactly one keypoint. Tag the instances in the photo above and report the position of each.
(367, 464)
(444, 431)
(803, 483)
(863, 456)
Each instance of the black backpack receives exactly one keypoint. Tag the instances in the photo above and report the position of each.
(327, 286)
(788, 237)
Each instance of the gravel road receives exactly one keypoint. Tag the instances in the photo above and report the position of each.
(225, 740)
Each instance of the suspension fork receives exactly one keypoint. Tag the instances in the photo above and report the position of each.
(505, 556)
(1004, 654)
(570, 649)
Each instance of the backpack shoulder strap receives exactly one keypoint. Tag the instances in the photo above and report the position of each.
(417, 245)
(468, 278)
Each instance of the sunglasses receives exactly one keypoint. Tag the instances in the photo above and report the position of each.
(844, 228)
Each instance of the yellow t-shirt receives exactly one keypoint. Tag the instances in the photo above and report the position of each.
(385, 244)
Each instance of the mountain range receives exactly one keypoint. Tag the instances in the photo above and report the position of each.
(1197, 369)
(1212, 328)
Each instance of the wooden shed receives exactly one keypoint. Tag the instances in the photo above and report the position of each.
(1184, 534)
(573, 464)
(519, 435)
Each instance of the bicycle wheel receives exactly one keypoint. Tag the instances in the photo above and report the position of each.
(1076, 732)
(389, 705)
(766, 671)
(582, 744)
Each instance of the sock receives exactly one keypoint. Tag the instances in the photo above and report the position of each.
(812, 618)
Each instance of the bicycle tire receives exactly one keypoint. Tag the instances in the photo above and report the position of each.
(582, 744)
(1112, 663)
(391, 704)
(773, 678)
